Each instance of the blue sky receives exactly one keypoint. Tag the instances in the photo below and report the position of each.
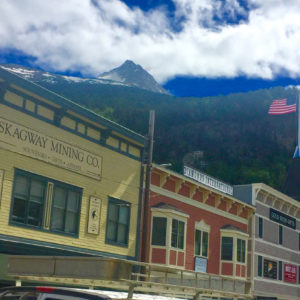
(191, 47)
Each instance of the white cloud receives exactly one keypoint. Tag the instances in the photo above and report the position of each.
(95, 36)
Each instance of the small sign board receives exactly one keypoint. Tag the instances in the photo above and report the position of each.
(282, 218)
(94, 215)
(200, 264)
(270, 269)
(290, 273)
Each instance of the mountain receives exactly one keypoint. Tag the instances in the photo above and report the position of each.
(127, 75)
(134, 75)
(238, 141)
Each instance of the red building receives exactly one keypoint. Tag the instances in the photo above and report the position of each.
(197, 226)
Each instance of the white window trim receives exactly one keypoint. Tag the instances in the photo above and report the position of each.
(203, 227)
(169, 214)
(235, 235)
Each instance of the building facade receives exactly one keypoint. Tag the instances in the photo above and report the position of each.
(274, 242)
(195, 226)
(70, 180)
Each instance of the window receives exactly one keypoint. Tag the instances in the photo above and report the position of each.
(280, 270)
(260, 227)
(227, 248)
(280, 235)
(28, 200)
(233, 244)
(259, 267)
(177, 239)
(65, 210)
(241, 250)
(159, 228)
(201, 243)
(31, 201)
(118, 218)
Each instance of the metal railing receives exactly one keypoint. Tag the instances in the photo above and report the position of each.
(125, 275)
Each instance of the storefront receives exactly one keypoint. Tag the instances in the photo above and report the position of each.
(196, 226)
(70, 180)
(275, 234)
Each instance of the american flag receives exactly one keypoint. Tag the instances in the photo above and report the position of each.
(280, 107)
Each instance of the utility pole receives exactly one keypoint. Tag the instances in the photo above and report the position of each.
(147, 184)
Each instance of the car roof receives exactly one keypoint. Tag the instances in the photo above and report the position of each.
(86, 294)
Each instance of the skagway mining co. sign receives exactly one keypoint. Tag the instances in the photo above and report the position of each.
(26, 141)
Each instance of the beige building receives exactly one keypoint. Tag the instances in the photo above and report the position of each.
(70, 180)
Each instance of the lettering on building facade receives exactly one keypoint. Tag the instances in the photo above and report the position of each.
(207, 180)
(282, 218)
(29, 142)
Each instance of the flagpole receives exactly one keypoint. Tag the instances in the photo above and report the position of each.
(297, 151)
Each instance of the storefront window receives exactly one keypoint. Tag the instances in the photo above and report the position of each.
(159, 228)
(117, 230)
(227, 248)
(201, 243)
(177, 239)
(241, 250)
(29, 200)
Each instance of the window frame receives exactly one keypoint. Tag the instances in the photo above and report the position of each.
(165, 231)
(32, 177)
(118, 202)
(178, 235)
(202, 227)
(260, 227)
(241, 253)
(45, 203)
(70, 188)
(280, 235)
(235, 235)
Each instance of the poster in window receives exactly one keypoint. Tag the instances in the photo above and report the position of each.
(270, 269)
(94, 215)
(290, 273)
(200, 264)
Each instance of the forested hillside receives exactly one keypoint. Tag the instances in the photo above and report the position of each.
(241, 142)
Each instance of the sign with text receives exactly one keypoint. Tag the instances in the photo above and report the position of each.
(282, 218)
(200, 264)
(26, 141)
(290, 273)
(94, 215)
(270, 269)
(207, 180)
